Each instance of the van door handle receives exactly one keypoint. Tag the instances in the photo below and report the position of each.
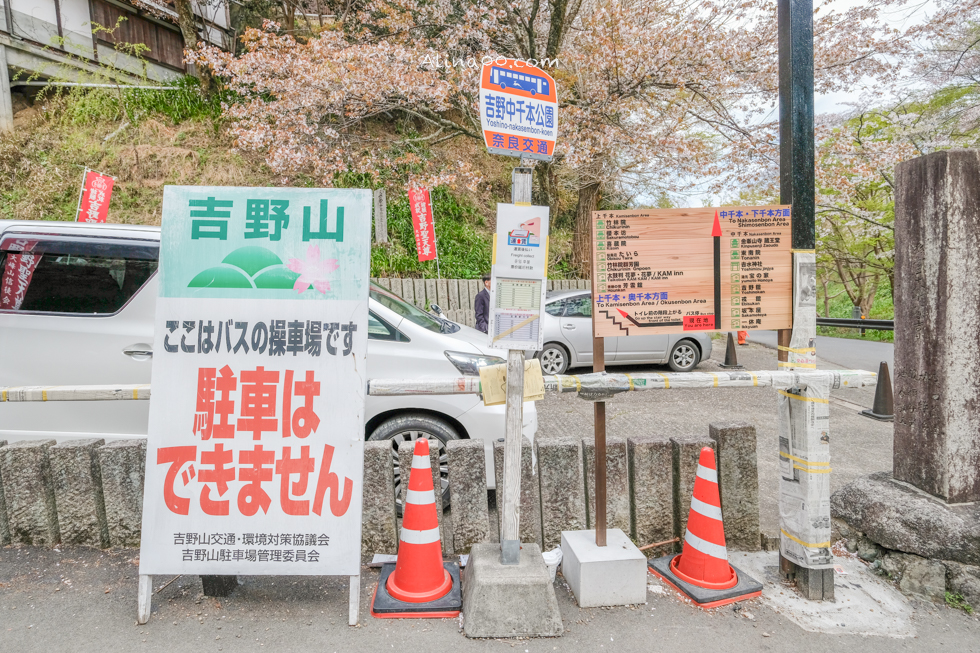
(570, 327)
(139, 351)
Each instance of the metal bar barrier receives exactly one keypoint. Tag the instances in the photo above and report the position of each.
(588, 386)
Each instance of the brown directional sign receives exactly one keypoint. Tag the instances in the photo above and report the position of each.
(679, 270)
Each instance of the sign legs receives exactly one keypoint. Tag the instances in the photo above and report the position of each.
(354, 612)
(144, 599)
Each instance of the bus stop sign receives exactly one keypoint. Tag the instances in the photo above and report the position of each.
(518, 109)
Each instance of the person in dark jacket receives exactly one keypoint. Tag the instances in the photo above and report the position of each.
(482, 305)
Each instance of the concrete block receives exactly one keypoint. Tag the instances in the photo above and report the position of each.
(405, 452)
(738, 482)
(617, 484)
(384, 282)
(937, 234)
(615, 574)
(509, 600)
(77, 478)
(379, 525)
(530, 522)
(651, 467)
(686, 451)
(430, 293)
(29, 493)
(476, 285)
(465, 301)
(408, 290)
(4, 524)
(453, 287)
(419, 288)
(123, 464)
(560, 472)
(467, 478)
(442, 294)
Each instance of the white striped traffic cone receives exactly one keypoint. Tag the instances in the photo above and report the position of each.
(702, 571)
(419, 584)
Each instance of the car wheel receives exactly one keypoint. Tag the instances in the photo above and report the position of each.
(554, 359)
(409, 428)
(684, 356)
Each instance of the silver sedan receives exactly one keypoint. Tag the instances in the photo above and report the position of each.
(567, 326)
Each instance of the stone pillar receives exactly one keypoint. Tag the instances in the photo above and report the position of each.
(123, 465)
(530, 525)
(686, 452)
(738, 481)
(6, 102)
(651, 470)
(468, 480)
(4, 524)
(379, 526)
(29, 493)
(77, 479)
(937, 322)
(617, 484)
(562, 489)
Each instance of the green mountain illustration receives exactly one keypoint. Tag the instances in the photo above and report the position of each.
(247, 267)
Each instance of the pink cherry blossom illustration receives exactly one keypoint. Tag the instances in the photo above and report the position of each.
(312, 270)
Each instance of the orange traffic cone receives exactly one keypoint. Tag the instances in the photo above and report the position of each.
(702, 571)
(419, 584)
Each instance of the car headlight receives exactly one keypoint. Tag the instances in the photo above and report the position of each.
(470, 364)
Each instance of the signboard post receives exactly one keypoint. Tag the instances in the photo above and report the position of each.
(517, 292)
(255, 447)
(678, 270)
(93, 198)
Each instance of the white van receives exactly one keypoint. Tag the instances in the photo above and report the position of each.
(85, 316)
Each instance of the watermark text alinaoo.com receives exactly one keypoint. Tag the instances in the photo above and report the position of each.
(440, 61)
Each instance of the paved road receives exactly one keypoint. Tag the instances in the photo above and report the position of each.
(847, 353)
(82, 600)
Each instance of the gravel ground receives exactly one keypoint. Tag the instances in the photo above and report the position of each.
(859, 445)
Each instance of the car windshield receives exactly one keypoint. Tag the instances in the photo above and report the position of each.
(411, 313)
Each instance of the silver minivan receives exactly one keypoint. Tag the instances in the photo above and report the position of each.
(568, 340)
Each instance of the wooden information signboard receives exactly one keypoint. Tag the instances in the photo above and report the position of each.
(675, 270)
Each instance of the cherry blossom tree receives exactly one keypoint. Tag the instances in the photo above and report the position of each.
(653, 93)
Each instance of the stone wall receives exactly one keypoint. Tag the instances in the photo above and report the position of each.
(456, 296)
(91, 493)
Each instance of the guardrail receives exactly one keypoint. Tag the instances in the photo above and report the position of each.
(851, 323)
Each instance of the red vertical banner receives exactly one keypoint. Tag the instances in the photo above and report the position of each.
(17, 274)
(425, 230)
(93, 203)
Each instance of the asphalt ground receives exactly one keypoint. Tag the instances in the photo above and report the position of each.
(83, 600)
(858, 445)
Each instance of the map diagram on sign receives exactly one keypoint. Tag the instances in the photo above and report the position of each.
(676, 270)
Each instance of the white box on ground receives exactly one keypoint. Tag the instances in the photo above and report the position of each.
(615, 574)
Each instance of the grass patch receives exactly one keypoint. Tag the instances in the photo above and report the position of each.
(957, 602)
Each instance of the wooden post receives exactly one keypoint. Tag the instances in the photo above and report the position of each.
(380, 216)
(510, 515)
(599, 365)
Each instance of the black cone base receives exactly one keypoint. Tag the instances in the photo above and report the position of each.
(384, 605)
(746, 588)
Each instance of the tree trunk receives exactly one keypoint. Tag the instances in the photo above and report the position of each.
(188, 29)
(548, 191)
(588, 198)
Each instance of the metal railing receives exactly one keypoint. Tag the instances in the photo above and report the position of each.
(850, 323)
